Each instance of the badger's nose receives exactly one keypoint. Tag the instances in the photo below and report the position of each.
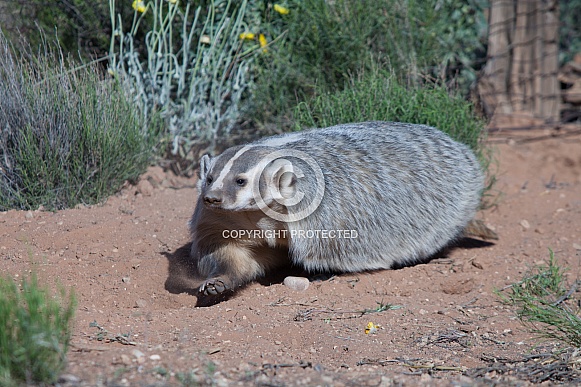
(212, 199)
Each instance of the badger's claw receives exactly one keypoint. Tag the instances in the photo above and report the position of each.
(213, 286)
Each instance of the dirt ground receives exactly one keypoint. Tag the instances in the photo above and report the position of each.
(137, 323)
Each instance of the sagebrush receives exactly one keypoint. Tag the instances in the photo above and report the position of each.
(69, 134)
(35, 331)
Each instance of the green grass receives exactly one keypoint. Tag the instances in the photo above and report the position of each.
(69, 134)
(378, 96)
(322, 44)
(35, 330)
(546, 304)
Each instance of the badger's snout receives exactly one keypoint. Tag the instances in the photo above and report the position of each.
(212, 198)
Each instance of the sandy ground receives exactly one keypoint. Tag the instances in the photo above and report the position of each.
(137, 323)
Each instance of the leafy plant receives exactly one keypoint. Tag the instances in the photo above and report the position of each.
(321, 45)
(569, 29)
(194, 70)
(35, 330)
(81, 27)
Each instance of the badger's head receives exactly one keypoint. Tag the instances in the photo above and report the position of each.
(241, 176)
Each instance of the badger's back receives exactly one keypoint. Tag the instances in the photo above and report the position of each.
(403, 191)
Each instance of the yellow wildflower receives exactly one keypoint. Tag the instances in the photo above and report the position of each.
(205, 39)
(280, 9)
(371, 328)
(263, 42)
(247, 36)
(139, 6)
(173, 1)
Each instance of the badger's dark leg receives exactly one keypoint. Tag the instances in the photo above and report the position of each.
(228, 267)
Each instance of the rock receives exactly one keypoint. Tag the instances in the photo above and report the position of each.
(140, 303)
(477, 264)
(525, 224)
(573, 94)
(144, 187)
(125, 359)
(155, 357)
(460, 286)
(137, 353)
(296, 283)
(155, 175)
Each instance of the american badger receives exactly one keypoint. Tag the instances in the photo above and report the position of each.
(347, 198)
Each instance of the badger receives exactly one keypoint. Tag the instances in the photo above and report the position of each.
(347, 198)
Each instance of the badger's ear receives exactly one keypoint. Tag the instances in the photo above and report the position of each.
(204, 166)
(281, 176)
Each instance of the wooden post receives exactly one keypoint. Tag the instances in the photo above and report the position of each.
(520, 77)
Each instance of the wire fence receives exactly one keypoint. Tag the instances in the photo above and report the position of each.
(521, 84)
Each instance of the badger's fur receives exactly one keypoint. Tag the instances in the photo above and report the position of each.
(394, 194)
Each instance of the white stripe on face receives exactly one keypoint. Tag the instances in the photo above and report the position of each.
(245, 196)
(219, 182)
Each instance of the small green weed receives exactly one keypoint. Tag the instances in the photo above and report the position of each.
(35, 330)
(381, 307)
(542, 297)
(188, 379)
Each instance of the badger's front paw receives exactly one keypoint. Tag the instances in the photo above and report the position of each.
(214, 286)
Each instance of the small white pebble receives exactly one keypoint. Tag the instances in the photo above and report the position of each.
(296, 283)
(137, 353)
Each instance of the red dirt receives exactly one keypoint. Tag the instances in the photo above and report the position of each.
(123, 258)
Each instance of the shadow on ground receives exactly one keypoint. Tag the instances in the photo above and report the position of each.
(182, 276)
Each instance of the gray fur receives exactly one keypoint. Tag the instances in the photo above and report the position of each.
(407, 190)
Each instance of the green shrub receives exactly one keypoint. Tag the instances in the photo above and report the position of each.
(378, 96)
(69, 136)
(569, 29)
(35, 330)
(322, 44)
(189, 62)
(81, 27)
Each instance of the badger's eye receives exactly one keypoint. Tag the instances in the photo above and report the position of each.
(209, 180)
(241, 182)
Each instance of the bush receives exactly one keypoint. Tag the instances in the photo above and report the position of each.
(35, 330)
(192, 66)
(569, 29)
(322, 44)
(378, 96)
(69, 136)
(81, 27)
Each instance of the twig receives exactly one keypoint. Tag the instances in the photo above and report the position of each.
(568, 294)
